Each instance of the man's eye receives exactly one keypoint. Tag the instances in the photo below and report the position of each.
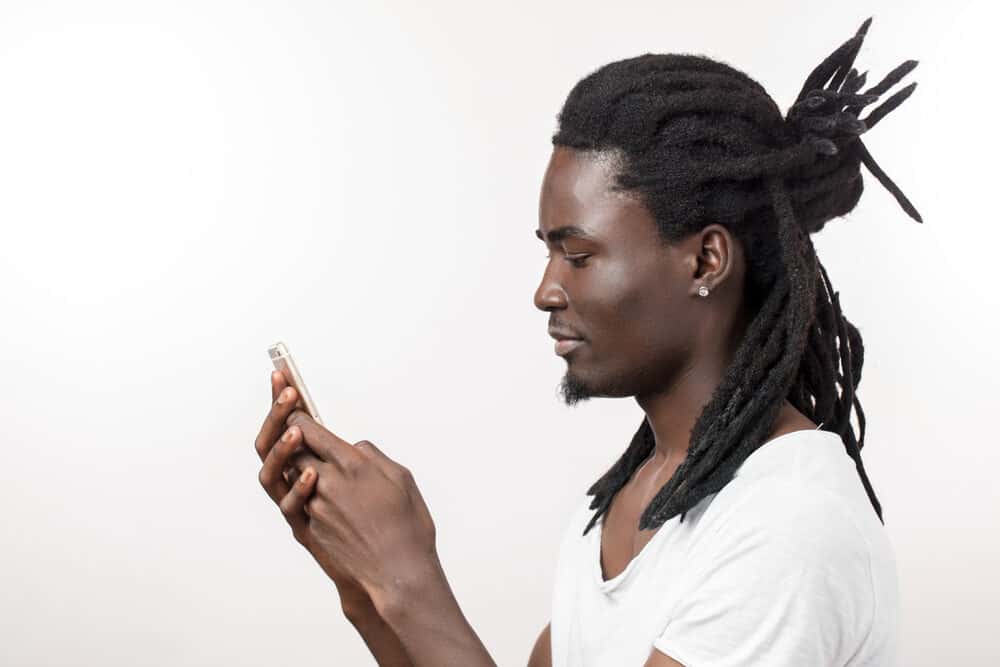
(575, 260)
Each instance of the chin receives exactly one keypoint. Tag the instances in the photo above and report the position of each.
(575, 388)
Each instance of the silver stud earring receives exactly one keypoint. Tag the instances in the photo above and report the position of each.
(702, 291)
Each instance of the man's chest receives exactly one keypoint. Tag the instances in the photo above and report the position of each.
(621, 539)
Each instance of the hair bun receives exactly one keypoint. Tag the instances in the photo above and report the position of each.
(825, 113)
(820, 119)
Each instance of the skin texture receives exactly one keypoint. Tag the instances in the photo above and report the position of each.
(646, 333)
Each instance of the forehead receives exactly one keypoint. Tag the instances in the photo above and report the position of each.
(578, 190)
(575, 176)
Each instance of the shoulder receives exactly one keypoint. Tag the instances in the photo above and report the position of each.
(784, 577)
(785, 545)
(787, 516)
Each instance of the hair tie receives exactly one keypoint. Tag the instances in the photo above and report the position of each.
(825, 113)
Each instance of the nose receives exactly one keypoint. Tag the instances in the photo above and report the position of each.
(550, 294)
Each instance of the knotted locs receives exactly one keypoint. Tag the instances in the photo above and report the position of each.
(825, 113)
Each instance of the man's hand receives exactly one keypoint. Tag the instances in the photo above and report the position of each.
(366, 514)
(365, 522)
(290, 491)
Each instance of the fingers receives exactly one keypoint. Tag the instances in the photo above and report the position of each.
(293, 503)
(278, 382)
(275, 462)
(291, 474)
(301, 459)
(326, 444)
(274, 423)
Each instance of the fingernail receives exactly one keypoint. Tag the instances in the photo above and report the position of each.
(307, 476)
(288, 435)
(285, 394)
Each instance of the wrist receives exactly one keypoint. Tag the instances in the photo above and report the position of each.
(355, 603)
(423, 582)
(358, 613)
(422, 612)
(363, 618)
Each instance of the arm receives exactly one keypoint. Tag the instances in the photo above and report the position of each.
(423, 613)
(657, 659)
(381, 640)
(541, 655)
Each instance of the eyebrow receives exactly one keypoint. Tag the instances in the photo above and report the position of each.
(564, 232)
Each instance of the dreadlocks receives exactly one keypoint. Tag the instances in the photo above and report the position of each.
(702, 142)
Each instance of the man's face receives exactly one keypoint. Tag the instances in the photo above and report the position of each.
(613, 284)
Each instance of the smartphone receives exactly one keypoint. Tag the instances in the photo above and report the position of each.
(282, 360)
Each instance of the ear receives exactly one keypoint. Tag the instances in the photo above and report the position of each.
(716, 257)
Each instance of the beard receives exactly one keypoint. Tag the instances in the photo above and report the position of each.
(620, 383)
(574, 389)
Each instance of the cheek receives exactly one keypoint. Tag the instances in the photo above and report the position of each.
(644, 316)
(649, 328)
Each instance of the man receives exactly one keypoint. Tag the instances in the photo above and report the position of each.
(739, 526)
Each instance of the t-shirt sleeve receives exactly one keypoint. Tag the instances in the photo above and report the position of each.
(786, 580)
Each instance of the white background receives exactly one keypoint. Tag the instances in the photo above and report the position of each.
(182, 184)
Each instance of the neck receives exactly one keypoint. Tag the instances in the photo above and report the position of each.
(673, 411)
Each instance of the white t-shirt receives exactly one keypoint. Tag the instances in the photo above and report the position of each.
(787, 565)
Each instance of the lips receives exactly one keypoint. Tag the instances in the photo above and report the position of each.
(567, 340)
(563, 334)
(566, 345)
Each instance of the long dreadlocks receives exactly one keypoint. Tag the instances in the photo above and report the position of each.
(702, 142)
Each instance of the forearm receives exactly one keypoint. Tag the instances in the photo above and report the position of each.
(424, 615)
(381, 640)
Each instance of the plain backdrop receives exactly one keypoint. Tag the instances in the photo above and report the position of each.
(184, 183)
